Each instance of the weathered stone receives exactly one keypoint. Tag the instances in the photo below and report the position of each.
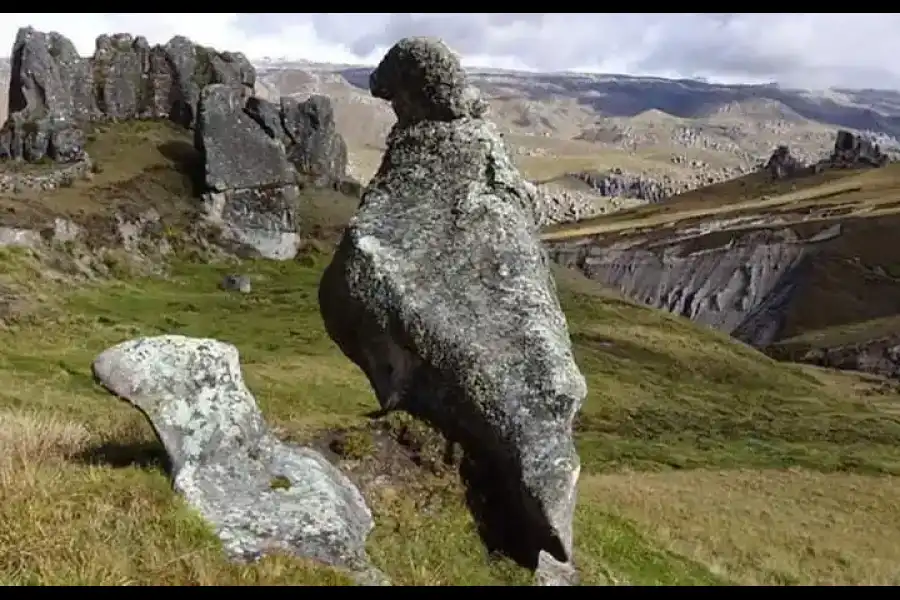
(259, 494)
(441, 293)
(236, 151)
(120, 63)
(268, 116)
(424, 80)
(43, 75)
(252, 190)
(236, 283)
(315, 147)
(783, 165)
(53, 90)
(851, 150)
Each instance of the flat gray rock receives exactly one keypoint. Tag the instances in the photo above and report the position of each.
(441, 293)
(259, 494)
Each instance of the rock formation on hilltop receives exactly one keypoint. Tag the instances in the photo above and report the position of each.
(851, 150)
(783, 165)
(256, 155)
(53, 90)
(441, 293)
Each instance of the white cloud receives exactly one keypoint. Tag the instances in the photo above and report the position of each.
(794, 49)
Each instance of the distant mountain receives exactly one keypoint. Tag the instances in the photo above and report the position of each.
(627, 96)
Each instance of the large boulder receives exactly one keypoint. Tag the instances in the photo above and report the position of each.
(49, 92)
(853, 151)
(783, 165)
(252, 190)
(314, 147)
(441, 293)
(259, 494)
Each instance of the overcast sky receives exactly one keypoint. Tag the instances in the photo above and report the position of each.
(806, 50)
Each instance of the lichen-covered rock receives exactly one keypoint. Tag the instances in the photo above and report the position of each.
(441, 293)
(423, 80)
(46, 76)
(48, 95)
(259, 494)
(195, 67)
(252, 190)
(268, 116)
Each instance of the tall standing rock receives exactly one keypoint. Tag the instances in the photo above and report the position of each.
(441, 293)
(252, 190)
(47, 96)
(314, 147)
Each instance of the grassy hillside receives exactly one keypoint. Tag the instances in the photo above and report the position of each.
(684, 434)
(704, 462)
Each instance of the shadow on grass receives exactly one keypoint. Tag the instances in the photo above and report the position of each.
(510, 522)
(144, 455)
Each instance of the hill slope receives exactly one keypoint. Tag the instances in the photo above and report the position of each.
(687, 130)
(833, 232)
(704, 461)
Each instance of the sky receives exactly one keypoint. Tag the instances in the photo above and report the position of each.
(794, 49)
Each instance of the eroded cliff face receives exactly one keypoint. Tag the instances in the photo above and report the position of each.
(741, 282)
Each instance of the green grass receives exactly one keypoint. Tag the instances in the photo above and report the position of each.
(704, 462)
(83, 499)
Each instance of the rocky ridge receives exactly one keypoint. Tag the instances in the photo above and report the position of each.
(54, 91)
(256, 155)
(850, 151)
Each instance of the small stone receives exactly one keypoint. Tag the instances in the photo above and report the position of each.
(236, 283)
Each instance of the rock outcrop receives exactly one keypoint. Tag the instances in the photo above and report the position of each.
(783, 165)
(252, 191)
(851, 150)
(257, 156)
(618, 184)
(308, 132)
(259, 494)
(53, 90)
(742, 286)
(442, 295)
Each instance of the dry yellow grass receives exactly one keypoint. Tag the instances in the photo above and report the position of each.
(869, 194)
(766, 527)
